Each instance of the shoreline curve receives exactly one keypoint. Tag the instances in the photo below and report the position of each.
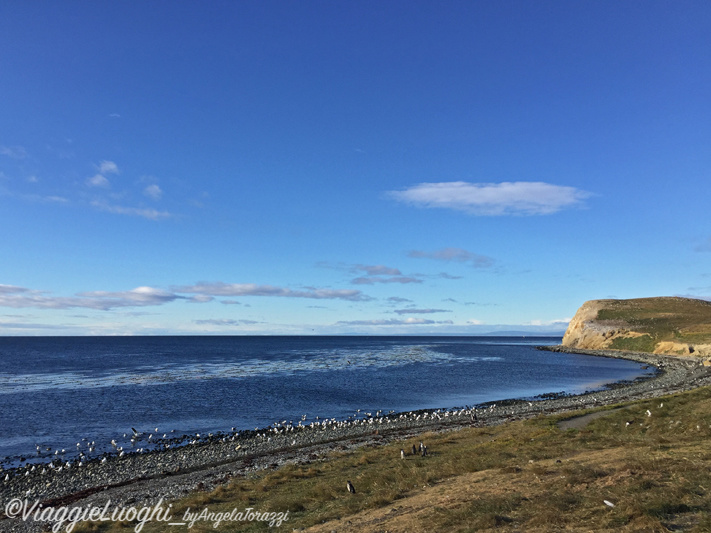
(144, 479)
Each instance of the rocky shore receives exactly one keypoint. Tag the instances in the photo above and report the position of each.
(143, 479)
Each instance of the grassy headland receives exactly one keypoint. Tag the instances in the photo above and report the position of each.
(669, 325)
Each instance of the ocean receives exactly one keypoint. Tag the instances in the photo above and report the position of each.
(57, 392)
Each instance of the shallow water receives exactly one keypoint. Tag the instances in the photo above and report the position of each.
(56, 391)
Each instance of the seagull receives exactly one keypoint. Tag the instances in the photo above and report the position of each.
(350, 487)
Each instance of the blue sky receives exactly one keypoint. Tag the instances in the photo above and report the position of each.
(348, 167)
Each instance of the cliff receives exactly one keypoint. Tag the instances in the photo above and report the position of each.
(664, 325)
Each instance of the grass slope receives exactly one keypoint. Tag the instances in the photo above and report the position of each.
(682, 320)
(650, 459)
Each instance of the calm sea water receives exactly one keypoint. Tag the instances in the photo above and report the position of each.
(56, 391)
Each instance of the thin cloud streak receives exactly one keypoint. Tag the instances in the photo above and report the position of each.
(493, 199)
(378, 270)
(420, 311)
(392, 322)
(456, 255)
(20, 297)
(14, 152)
(251, 289)
(151, 214)
(378, 279)
(224, 322)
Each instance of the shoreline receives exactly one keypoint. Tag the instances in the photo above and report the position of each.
(145, 479)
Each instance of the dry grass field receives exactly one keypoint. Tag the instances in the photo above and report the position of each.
(649, 460)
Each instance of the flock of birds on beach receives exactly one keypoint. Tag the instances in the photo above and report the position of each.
(48, 460)
(85, 448)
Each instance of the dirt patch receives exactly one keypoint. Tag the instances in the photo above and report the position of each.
(579, 422)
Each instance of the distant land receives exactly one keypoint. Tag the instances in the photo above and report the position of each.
(661, 325)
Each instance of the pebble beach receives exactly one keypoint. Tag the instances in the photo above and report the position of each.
(205, 462)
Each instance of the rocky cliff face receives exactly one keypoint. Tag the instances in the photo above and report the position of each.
(586, 332)
(675, 326)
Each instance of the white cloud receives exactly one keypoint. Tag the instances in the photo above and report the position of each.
(12, 289)
(457, 255)
(154, 192)
(475, 322)
(139, 296)
(379, 279)
(201, 298)
(391, 322)
(21, 297)
(108, 167)
(225, 322)
(57, 199)
(151, 214)
(15, 152)
(398, 300)
(444, 275)
(378, 270)
(29, 326)
(251, 289)
(506, 198)
(380, 274)
(415, 311)
(98, 181)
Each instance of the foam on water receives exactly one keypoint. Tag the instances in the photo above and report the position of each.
(312, 361)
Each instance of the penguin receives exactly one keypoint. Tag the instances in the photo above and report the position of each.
(350, 487)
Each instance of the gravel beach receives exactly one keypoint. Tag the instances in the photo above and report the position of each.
(207, 461)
